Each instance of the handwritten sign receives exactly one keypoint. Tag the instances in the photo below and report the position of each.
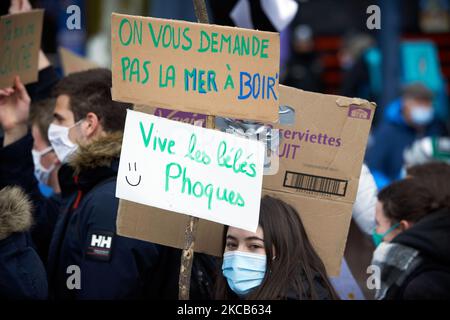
(20, 41)
(191, 170)
(194, 67)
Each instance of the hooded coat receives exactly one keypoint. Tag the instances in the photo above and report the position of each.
(390, 139)
(431, 278)
(22, 273)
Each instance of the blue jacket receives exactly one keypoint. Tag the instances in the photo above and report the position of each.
(390, 139)
(22, 273)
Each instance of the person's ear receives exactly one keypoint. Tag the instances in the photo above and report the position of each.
(91, 125)
(405, 225)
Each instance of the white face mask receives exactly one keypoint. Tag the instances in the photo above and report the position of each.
(59, 139)
(41, 173)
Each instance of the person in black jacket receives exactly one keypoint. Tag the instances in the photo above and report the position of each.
(22, 274)
(86, 135)
(276, 262)
(413, 238)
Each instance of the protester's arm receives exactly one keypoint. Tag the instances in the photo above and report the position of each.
(428, 285)
(14, 112)
(17, 166)
(122, 270)
(42, 89)
(366, 198)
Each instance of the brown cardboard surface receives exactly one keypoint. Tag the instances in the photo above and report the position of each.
(72, 62)
(333, 117)
(20, 41)
(326, 216)
(134, 52)
(166, 227)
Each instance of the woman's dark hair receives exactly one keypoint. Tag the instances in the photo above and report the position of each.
(431, 168)
(90, 91)
(295, 270)
(413, 198)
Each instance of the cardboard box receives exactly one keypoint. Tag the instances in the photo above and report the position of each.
(320, 163)
(319, 179)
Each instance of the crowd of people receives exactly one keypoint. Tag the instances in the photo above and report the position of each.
(59, 158)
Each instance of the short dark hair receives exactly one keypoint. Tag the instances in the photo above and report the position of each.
(417, 91)
(431, 168)
(413, 198)
(41, 115)
(90, 91)
(435, 176)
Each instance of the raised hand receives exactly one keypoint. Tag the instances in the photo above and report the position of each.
(14, 111)
(18, 6)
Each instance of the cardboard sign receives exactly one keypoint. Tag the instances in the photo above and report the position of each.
(193, 67)
(20, 41)
(72, 62)
(320, 159)
(192, 170)
(321, 156)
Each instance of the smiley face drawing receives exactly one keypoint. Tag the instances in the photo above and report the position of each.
(126, 177)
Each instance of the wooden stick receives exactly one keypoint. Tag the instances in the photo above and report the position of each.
(200, 11)
(187, 256)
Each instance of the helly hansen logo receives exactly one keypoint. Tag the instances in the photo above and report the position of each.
(101, 241)
(99, 245)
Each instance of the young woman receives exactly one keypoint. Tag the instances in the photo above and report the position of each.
(276, 262)
(413, 239)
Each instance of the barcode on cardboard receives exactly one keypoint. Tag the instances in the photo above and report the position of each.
(302, 181)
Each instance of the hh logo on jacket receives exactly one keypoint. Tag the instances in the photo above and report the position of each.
(100, 245)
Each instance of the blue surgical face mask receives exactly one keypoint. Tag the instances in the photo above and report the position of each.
(378, 237)
(243, 271)
(422, 115)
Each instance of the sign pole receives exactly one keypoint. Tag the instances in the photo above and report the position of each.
(187, 256)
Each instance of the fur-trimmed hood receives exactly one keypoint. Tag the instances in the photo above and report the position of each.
(99, 153)
(15, 211)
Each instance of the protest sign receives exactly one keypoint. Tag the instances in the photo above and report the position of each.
(193, 67)
(191, 170)
(71, 62)
(320, 157)
(20, 42)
